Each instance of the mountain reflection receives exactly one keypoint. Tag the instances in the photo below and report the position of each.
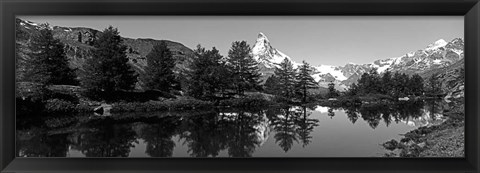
(215, 133)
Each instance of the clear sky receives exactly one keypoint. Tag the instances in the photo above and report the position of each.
(329, 40)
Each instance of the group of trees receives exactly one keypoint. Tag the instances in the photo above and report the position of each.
(106, 72)
(394, 85)
(213, 76)
(289, 84)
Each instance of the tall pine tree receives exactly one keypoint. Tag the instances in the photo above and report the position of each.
(246, 75)
(159, 73)
(48, 63)
(286, 79)
(108, 70)
(304, 81)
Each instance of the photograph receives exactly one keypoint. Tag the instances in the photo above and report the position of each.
(239, 86)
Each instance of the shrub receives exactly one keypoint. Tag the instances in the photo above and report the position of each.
(59, 106)
(166, 105)
(246, 102)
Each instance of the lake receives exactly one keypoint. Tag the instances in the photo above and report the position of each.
(292, 131)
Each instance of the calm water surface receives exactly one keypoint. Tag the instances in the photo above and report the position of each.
(264, 132)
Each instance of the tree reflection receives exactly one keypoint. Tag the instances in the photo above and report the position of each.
(371, 114)
(231, 130)
(243, 136)
(284, 126)
(330, 113)
(108, 139)
(204, 135)
(352, 113)
(374, 113)
(409, 109)
(37, 143)
(305, 127)
(158, 136)
(293, 125)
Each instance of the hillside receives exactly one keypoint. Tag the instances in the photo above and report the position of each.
(78, 43)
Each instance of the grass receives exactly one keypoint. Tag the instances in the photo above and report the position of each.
(184, 103)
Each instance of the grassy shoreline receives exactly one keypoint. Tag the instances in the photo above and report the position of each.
(70, 99)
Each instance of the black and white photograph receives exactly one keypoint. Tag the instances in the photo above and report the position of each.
(240, 86)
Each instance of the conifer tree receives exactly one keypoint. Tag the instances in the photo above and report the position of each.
(108, 70)
(246, 75)
(332, 92)
(286, 76)
(304, 81)
(416, 85)
(48, 63)
(208, 75)
(159, 73)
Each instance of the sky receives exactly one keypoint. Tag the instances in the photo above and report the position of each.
(328, 40)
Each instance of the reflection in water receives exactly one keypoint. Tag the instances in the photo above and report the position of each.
(232, 132)
(412, 113)
(305, 127)
(106, 139)
(158, 136)
(36, 143)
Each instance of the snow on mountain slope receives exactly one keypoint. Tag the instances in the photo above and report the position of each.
(436, 55)
(328, 69)
(437, 44)
(265, 54)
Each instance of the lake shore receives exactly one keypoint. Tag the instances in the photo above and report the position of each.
(443, 140)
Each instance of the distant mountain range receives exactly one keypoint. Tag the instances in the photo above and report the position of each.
(78, 46)
(437, 55)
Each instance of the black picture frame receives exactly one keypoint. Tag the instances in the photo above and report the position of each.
(470, 9)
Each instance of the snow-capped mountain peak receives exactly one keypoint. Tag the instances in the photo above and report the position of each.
(437, 44)
(264, 53)
(436, 55)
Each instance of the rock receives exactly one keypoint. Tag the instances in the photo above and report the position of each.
(409, 143)
(421, 145)
(103, 110)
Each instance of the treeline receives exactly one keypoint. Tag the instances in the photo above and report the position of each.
(107, 74)
(213, 77)
(291, 84)
(395, 85)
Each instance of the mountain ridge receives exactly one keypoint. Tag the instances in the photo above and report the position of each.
(438, 54)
